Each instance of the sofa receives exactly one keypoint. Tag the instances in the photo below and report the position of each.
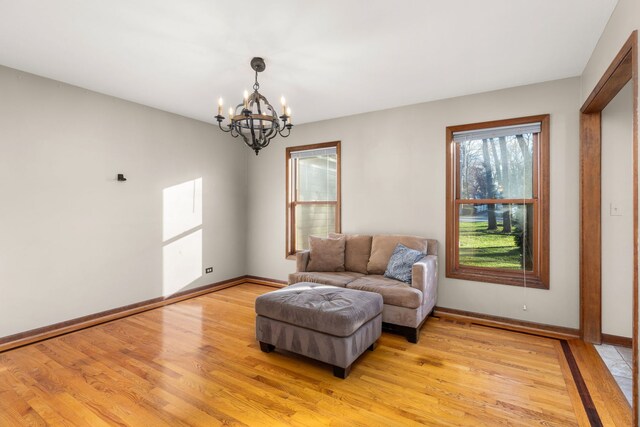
(406, 305)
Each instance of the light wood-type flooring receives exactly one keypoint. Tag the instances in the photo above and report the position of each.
(196, 362)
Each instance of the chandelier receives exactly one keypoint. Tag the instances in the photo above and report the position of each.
(255, 120)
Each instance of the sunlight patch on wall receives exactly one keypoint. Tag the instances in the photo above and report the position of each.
(181, 235)
(181, 208)
(182, 262)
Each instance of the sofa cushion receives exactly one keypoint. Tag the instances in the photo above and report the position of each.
(335, 311)
(356, 252)
(400, 263)
(326, 278)
(393, 292)
(382, 247)
(326, 254)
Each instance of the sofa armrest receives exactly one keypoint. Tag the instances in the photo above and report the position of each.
(424, 276)
(302, 259)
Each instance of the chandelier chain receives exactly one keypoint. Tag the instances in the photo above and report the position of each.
(256, 85)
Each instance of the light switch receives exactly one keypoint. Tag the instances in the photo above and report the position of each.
(615, 210)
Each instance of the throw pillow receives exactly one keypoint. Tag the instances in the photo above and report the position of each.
(326, 254)
(383, 245)
(357, 250)
(400, 263)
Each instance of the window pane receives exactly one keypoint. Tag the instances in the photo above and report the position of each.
(492, 236)
(313, 220)
(497, 168)
(317, 178)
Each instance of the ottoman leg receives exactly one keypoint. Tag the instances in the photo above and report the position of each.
(267, 348)
(341, 372)
(372, 347)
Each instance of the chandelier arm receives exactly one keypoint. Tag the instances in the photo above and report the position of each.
(223, 129)
(281, 132)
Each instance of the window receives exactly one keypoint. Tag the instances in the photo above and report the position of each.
(313, 193)
(497, 202)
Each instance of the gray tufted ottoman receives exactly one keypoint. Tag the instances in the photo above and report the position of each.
(327, 323)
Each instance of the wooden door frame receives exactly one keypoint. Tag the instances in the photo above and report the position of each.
(623, 69)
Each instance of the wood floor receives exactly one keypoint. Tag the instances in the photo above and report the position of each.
(197, 363)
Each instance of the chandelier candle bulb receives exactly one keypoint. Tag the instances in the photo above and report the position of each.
(230, 113)
(219, 106)
(289, 115)
(246, 100)
(284, 105)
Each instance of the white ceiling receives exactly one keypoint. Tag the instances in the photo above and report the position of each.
(330, 58)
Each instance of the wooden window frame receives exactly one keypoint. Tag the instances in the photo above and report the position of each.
(539, 277)
(291, 204)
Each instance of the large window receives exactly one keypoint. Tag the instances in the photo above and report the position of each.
(313, 193)
(497, 202)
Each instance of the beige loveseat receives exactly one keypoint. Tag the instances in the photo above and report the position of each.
(406, 306)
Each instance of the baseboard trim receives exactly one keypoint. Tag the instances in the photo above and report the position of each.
(540, 329)
(617, 340)
(43, 333)
(265, 281)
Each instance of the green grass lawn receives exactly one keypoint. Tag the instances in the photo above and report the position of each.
(480, 247)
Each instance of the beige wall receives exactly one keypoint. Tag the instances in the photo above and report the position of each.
(73, 240)
(393, 181)
(617, 235)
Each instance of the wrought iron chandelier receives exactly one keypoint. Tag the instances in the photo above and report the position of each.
(255, 120)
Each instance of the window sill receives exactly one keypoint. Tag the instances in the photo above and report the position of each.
(498, 277)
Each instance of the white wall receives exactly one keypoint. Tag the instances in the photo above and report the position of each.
(73, 241)
(393, 181)
(617, 227)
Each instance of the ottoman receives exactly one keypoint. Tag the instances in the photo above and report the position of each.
(326, 323)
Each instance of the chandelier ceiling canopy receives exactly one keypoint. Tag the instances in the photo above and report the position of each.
(255, 120)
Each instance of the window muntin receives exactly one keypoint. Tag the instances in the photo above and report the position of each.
(497, 207)
(313, 193)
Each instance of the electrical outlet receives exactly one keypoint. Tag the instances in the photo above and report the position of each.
(615, 210)
(209, 270)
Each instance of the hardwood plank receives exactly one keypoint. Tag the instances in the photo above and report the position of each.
(607, 396)
(57, 329)
(197, 362)
(574, 393)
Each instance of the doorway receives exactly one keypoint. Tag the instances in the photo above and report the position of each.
(623, 69)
